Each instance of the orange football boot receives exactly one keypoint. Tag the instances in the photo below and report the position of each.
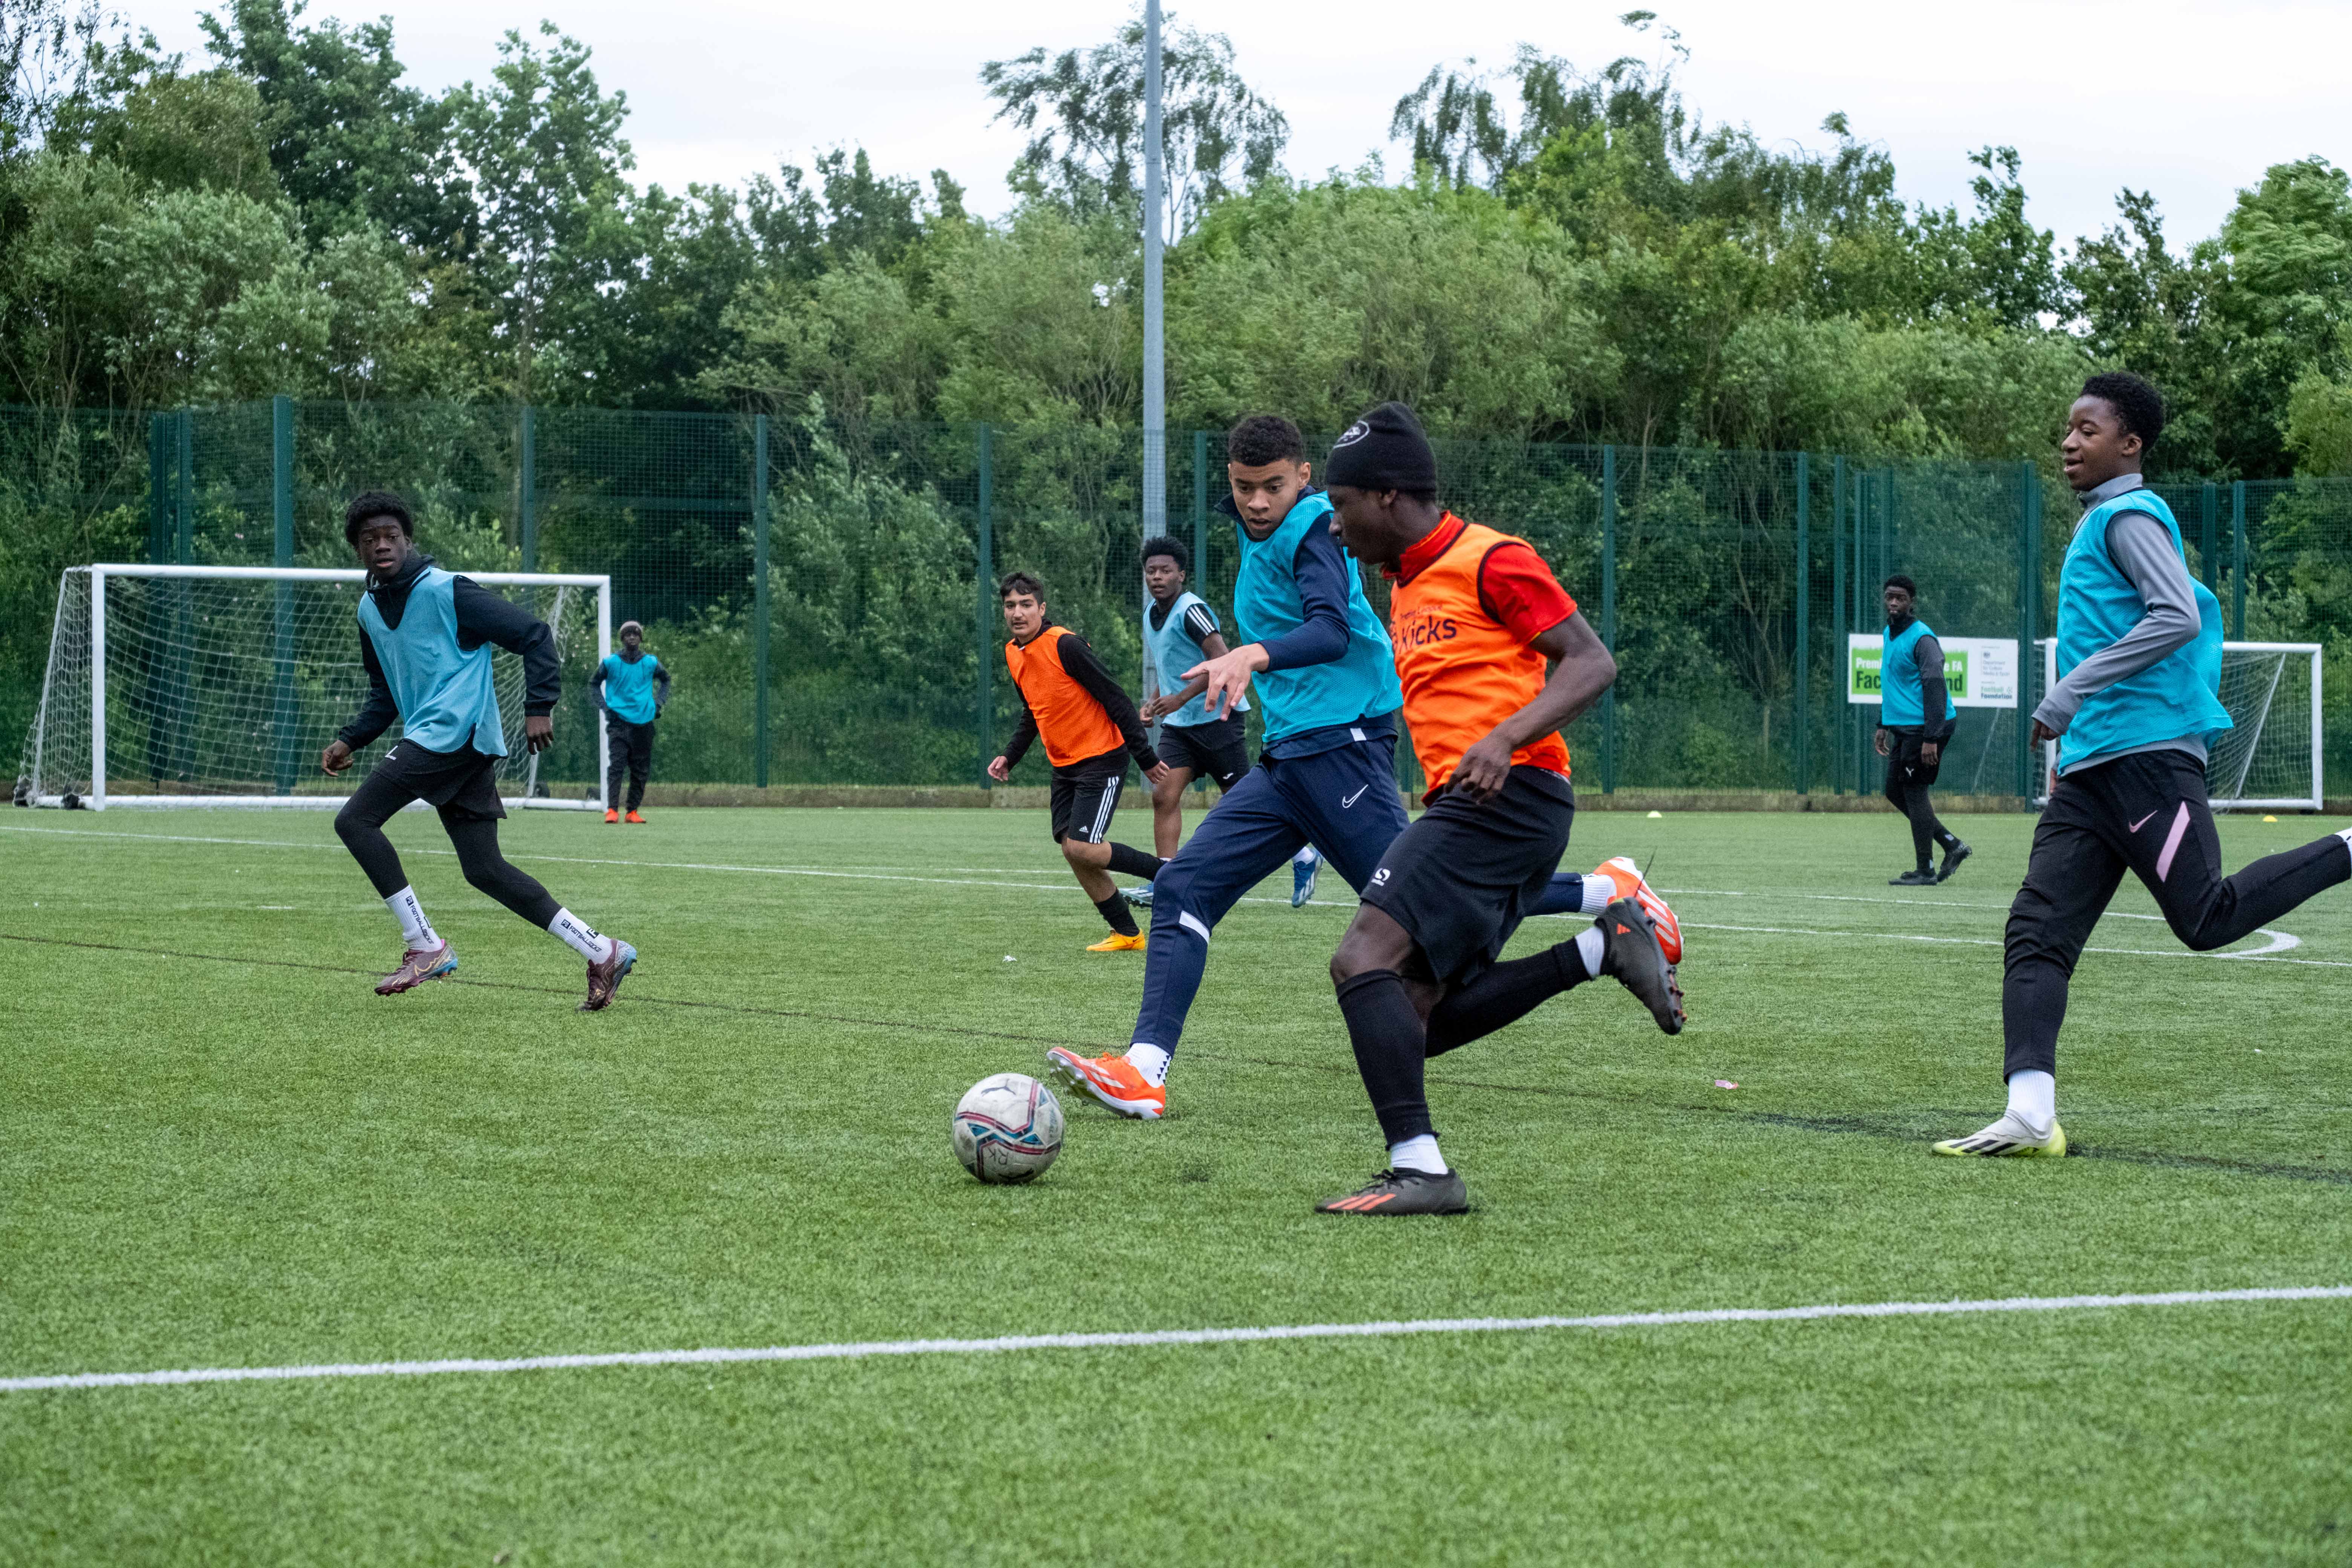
(611, 816)
(1112, 1080)
(633, 817)
(1631, 884)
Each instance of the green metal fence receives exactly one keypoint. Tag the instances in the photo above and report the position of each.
(821, 590)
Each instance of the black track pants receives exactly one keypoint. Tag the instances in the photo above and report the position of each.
(632, 749)
(2146, 813)
(474, 834)
(1908, 779)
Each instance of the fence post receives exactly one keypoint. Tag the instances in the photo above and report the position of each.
(2237, 560)
(1804, 623)
(2213, 537)
(1200, 510)
(281, 505)
(1858, 749)
(984, 624)
(526, 499)
(1837, 615)
(759, 600)
(181, 749)
(159, 490)
(1609, 614)
(185, 522)
(2029, 618)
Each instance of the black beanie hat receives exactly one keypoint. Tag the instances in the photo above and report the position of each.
(1384, 451)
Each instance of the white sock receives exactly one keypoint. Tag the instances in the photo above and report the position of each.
(1309, 855)
(1599, 892)
(1417, 1154)
(1151, 1061)
(582, 937)
(1590, 947)
(414, 926)
(2346, 836)
(2033, 1099)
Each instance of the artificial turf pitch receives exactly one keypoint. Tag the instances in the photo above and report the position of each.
(219, 1149)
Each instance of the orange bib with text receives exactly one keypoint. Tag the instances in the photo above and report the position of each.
(1463, 672)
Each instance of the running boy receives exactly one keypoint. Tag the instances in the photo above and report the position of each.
(631, 688)
(425, 639)
(1475, 616)
(1090, 727)
(1179, 633)
(2140, 660)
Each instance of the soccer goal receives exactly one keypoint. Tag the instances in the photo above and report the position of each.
(172, 686)
(2271, 761)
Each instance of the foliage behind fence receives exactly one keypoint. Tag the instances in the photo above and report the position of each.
(820, 588)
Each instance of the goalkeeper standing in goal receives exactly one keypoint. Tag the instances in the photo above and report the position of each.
(632, 687)
(425, 637)
(2139, 656)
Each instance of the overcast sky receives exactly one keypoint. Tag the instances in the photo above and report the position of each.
(2191, 99)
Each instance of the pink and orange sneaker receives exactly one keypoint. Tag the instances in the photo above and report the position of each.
(1631, 884)
(1112, 1080)
(417, 965)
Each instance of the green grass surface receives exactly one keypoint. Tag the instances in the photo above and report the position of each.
(218, 1148)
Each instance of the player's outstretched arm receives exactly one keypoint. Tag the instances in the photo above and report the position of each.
(1582, 669)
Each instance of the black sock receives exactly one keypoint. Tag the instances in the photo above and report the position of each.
(1504, 993)
(1130, 862)
(1389, 1040)
(1115, 910)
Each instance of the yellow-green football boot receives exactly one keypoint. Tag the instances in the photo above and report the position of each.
(2008, 1139)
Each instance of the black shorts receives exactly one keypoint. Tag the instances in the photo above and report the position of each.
(1212, 751)
(1085, 793)
(1461, 877)
(462, 785)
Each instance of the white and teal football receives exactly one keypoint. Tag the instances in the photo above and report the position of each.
(1008, 1128)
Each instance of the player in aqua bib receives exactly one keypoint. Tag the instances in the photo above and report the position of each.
(1910, 687)
(1181, 632)
(631, 688)
(425, 639)
(2139, 658)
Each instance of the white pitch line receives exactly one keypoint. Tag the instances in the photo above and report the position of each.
(2272, 954)
(866, 1350)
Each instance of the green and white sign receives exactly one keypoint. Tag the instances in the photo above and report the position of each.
(1981, 672)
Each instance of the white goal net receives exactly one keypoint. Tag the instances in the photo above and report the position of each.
(2271, 760)
(220, 685)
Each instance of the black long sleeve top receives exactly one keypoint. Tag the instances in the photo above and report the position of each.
(482, 618)
(1079, 663)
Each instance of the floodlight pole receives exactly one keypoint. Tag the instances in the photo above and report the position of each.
(1155, 382)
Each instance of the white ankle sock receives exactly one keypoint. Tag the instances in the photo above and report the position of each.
(1419, 1153)
(1151, 1061)
(1599, 892)
(2346, 836)
(2033, 1099)
(414, 926)
(582, 937)
(1590, 947)
(1309, 855)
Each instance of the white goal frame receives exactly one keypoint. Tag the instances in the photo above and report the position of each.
(99, 572)
(2316, 801)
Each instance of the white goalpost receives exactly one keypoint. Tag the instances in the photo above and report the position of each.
(179, 686)
(2271, 761)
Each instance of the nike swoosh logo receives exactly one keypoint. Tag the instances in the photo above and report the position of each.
(2141, 823)
(1351, 800)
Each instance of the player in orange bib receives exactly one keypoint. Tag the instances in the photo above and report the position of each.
(1089, 726)
(1473, 615)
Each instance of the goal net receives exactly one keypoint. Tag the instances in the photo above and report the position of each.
(220, 685)
(2271, 760)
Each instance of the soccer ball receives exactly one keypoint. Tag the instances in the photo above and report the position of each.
(1007, 1128)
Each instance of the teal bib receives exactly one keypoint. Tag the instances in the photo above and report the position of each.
(629, 688)
(1173, 652)
(1361, 683)
(2176, 698)
(1898, 696)
(445, 695)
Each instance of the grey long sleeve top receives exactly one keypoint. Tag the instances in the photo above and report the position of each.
(2144, 553)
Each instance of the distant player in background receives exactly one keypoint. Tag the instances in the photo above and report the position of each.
(1911, 687)
(631, 688)
(425, 639)
(2139, 661)
(1475, 615)
(1180, 632)
(1090, 727)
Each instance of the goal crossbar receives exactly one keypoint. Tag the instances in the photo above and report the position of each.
(98, 797)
